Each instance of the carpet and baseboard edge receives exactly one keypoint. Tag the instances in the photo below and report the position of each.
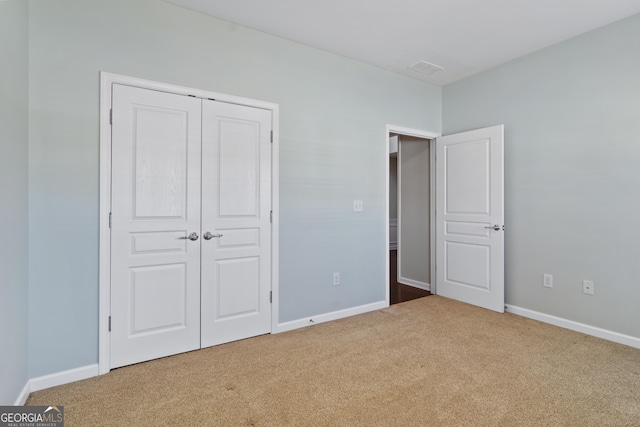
(575, 326)
(327, 317)
(77, 374)
(56, 379)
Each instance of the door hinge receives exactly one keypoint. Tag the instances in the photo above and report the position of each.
(109, 323)
(109, 219)
(271, 136)
(111, 116)
(271, 297)
(271, 217)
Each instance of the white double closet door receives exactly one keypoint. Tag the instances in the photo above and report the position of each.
(190, 224)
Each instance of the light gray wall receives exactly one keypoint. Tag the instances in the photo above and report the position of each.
(572, 172)
(393, 187)
(13, 199)
(333, 138)
(414, 242)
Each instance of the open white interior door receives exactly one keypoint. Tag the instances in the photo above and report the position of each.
(470, 217)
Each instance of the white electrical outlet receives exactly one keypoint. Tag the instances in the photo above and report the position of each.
(358, 206)
(336, 279)
(587, 287)
(547, 280)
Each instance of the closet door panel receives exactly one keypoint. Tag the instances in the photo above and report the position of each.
(236, 206)
(155, 268)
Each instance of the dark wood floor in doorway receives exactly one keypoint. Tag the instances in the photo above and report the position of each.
(399, 292)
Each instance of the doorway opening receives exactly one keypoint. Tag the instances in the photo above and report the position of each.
(399, 292)
(410, 214)
(466, 215)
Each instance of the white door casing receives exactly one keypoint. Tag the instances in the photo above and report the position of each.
(469, 205)
(155, 269)
(236, 207)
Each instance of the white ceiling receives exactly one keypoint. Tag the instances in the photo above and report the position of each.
(463, 36)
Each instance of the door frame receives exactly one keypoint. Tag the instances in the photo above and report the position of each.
(431, 136)
(104, 238)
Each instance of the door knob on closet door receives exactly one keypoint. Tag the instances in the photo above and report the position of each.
(193, 236)
(209, 236)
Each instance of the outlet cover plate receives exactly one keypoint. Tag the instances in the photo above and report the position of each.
(336, 279)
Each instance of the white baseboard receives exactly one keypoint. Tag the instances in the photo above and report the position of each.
(24, 394)
(327, 317)
(52, 380)
(410, 282)
(64, 377)
(575, 326)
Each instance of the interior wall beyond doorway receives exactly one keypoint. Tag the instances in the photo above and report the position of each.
(393, 188)
(414, 213)
(393, 201)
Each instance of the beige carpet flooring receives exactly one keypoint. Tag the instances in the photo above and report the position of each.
(426, 362)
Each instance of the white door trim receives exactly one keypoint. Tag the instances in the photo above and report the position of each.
(419, 134)
(104, 275)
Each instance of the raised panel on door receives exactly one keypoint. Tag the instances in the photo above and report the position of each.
(236, 205)
(155, 270)
(469, 204)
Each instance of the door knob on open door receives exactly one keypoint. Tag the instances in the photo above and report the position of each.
(209, 236)
(495, 227)
(193, 236)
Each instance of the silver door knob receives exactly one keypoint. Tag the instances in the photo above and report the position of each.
(209, 236)
(495, 227)
(193, 236)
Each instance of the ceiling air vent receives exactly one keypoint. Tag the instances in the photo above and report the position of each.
(425, 67)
